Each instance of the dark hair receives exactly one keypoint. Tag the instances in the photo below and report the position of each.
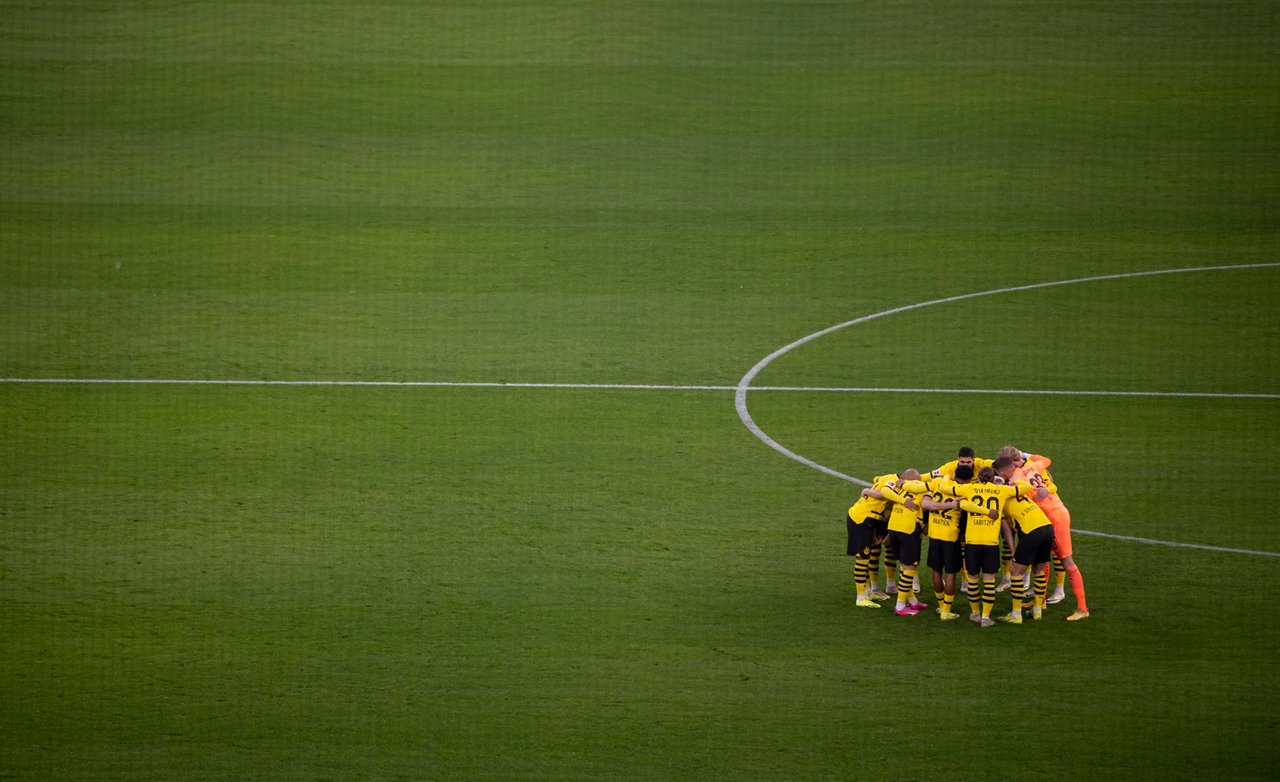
(986, 474)
(1002, 463)
(965, 451)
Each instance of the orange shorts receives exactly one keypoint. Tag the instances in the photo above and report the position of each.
(1061, 519)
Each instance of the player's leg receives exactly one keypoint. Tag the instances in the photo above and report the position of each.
(1017, 592)
(935, 572)
(1062, 547)
(944, 561)
(859, 547)
(1040, 584)
(1077, 586)
(989, 593)
(1006, 556)
(907, 547)
(1033, 550)
(890, 567)
(1059, 574)
(1059, 582)
(873, 558)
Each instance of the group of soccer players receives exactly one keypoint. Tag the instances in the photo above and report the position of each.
(984, 518)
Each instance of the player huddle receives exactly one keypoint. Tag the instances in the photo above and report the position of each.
(984, 518)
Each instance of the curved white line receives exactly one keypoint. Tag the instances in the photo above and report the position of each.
(744, 385)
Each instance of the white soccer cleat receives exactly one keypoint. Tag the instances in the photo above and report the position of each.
(1057, 597)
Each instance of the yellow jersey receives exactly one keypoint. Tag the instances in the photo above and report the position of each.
(944, 524)
(1025, 515)
(948, 470)
(872, 508)
(904, 519)
(978, 500)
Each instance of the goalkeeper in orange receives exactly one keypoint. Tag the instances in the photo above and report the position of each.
(1034, 469)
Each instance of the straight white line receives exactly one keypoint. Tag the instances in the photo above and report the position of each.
(1013, 391)
(383, 383)
(613, 387)
(1154, 542)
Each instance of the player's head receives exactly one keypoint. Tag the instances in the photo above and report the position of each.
(1012, 452)
(964, 464)
(986, 474)
(910, 474)
(1004, 465)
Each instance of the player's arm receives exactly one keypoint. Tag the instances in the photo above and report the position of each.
(1037, 461)
(929, 503)
(915, 487)
(1051, 487)
(888, 492)
(944, 485)
(977, 508)
(1022, 489)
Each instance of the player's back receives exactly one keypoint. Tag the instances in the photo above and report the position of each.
(1039, 480)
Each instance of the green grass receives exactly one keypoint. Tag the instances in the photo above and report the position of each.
(272, 582)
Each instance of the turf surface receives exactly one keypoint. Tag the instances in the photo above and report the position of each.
(309, 582)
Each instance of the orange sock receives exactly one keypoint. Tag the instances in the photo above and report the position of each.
(1077, 586)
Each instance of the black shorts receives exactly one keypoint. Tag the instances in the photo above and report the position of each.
(859, 536)
(882, 527)
(981, 559)
(944, 556)
(1036, 547)
(907, 546)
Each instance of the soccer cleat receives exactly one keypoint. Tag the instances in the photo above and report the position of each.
(1004, 585)
(920, 606)
(987, 621)
(876, 594)
(1077, 616)
(1013, 619)
(868, 604)
(1056, 597)
(892, 589)
(975, 617)
(1036, 615)
(908, 611)
(947, 616)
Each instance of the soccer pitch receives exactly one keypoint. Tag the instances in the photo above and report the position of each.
(510, 367)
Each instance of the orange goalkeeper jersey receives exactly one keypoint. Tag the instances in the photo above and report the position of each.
(1036, 473)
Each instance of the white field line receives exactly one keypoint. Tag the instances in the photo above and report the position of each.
(612, 387)
(1155, 542)
(744, 385)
